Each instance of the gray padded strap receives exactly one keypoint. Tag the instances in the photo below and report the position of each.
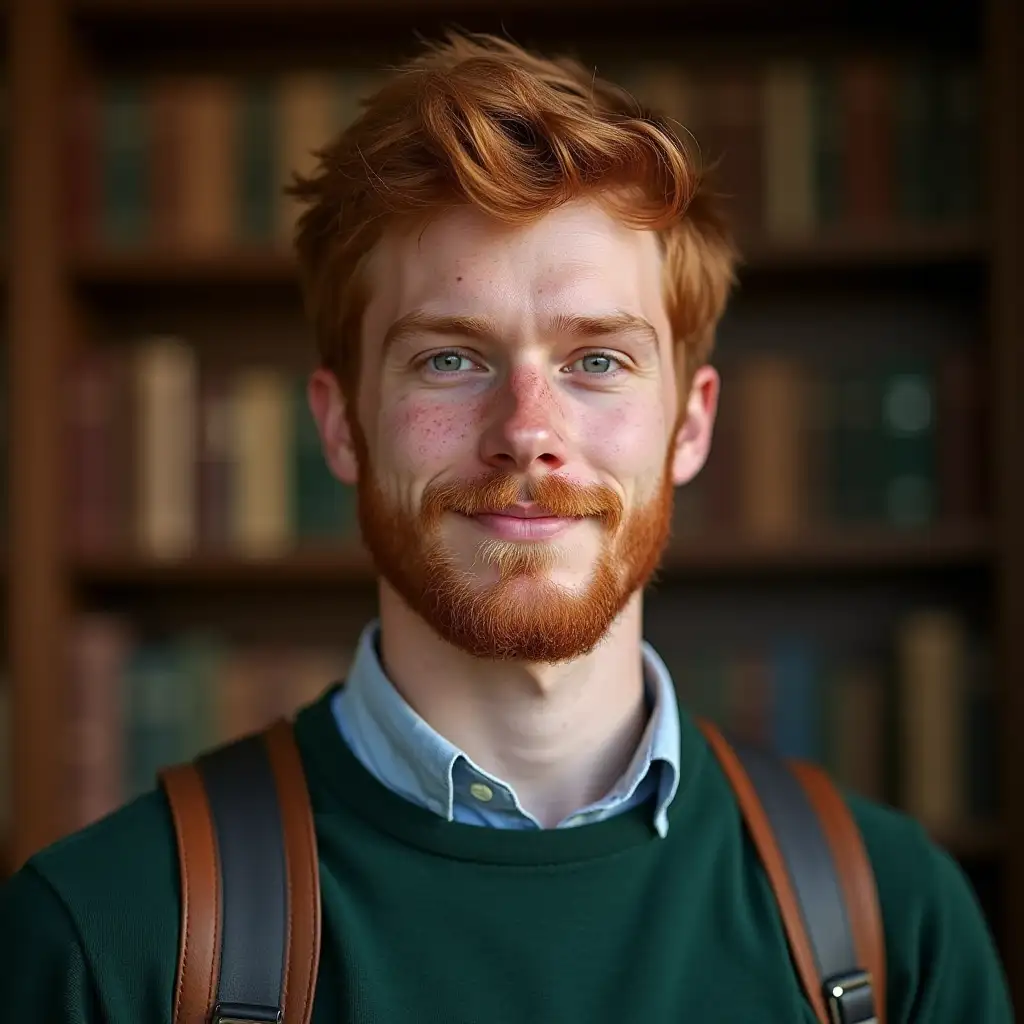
(808, 858)
(242, 795)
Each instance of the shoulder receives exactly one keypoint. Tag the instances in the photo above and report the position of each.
(128, 858)
(113, 887)
(941, 958)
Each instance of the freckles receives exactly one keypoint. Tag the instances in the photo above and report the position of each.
(526, 382)
(425, 430)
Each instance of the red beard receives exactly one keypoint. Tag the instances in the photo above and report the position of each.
(543, 622)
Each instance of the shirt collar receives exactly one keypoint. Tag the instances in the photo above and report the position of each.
(413, 759)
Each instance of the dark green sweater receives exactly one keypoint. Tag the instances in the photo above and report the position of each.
(431, 922)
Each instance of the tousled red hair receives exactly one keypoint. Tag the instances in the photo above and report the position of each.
(477, 120)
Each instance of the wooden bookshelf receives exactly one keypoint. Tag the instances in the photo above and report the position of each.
(913, 248)
(876, 551)
(61, 297)
(973, 842)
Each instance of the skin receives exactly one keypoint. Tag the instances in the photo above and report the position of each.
(530, 397)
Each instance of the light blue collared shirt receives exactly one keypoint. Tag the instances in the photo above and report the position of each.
(413, 760)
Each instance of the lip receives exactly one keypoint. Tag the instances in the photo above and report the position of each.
(520, 510)
(508, 525)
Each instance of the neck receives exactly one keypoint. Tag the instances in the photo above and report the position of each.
(560, 735)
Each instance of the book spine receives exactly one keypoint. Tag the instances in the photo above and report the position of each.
(829, 155)
(262, 442)
(307, 120)
(257, 192)
(125, 160)
(166, 398)
(907, 446)
(789, 169)
(94, 754)
(772, 456)
(932, 667)
(208, 174)
(214, 471)
(867, 143)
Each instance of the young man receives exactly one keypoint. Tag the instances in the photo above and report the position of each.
(515, 277)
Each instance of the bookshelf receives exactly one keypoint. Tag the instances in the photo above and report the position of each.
(845, 552)
(852, 286)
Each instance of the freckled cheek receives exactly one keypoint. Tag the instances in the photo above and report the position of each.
(421, 434)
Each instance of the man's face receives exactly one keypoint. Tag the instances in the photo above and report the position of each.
(518, 430)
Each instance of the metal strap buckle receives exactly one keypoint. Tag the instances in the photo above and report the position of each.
(245, 1013)
(850, 999)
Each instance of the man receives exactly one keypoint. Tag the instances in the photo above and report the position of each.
(515, 277)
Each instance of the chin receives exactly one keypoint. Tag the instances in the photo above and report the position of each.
(526, 564)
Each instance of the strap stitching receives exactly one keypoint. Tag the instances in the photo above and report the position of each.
(311, 873)
(187, 923)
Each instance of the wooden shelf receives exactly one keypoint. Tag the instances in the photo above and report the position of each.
(266, 266)
(948, 548)
(724, 15)
(972, 841)
(853, 549)
(907, 248)
(901, 246)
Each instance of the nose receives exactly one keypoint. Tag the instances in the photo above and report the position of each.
(525, 427)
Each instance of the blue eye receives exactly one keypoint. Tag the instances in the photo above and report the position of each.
(598, 362)
(449, 362)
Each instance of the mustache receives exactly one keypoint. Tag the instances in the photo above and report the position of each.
(556, 495)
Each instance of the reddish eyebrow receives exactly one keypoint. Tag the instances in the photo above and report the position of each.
(418, 322)
(481, 329)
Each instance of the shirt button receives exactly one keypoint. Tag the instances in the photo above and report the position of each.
(481, 792)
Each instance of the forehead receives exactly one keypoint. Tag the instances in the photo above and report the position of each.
(577, 259)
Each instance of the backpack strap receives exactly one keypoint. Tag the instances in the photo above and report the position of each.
(815, 859)
(250, 888)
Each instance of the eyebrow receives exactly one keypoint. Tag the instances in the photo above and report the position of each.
(573, 325)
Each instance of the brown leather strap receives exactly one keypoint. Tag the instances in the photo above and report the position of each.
(855, 873)
(195, 992)
(302, 951)
(199, 944)
(775, 867)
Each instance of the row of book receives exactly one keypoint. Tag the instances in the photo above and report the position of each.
(168, 458)
(198, 162)
(913, 727)
(897, 440)
(136, 704)
(808, 144)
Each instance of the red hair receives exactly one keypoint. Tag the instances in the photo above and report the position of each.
(477, 120)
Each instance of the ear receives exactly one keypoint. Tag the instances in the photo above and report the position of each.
(693, 437)
(327, 404)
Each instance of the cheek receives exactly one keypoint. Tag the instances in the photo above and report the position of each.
(628, 438)
(420, 432)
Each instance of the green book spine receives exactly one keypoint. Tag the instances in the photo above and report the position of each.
(854, 428)
(125, 171)
(907, 475)
(257, 190)
(200, 656)
(920, 150)
(827, 132)
(961, 163)
(154, 715)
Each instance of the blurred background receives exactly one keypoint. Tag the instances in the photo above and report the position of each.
(846, 579)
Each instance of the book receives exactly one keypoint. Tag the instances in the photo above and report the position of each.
(165, 402)
(262, 439)
(932, 660)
